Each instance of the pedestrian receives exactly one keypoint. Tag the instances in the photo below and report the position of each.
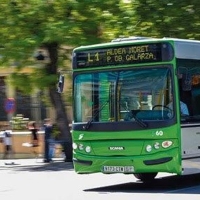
(34, 137)
(7, 141)
(47, 140)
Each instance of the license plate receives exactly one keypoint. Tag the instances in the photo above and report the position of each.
(121, 169)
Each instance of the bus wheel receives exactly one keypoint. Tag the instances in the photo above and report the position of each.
(146, 176)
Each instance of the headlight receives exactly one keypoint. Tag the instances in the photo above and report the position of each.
(167, 144)
(148, 148)
(74, 146)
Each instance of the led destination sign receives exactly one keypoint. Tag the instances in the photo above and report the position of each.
(143, 53)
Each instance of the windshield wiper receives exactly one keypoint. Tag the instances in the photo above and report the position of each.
(87, 126)
(139, 121)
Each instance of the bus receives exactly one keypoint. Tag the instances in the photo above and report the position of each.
(127, 102)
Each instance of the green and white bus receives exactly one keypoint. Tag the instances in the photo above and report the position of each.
(127, 97)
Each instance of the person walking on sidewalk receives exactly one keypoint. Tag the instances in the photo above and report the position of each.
(47, 139)
(7, 141)
(34, 137)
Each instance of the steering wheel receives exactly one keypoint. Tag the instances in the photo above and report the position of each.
(162, 106)
(169, 110)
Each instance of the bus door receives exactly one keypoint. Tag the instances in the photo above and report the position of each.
(190, 136)
(190, 141)
(189, 89)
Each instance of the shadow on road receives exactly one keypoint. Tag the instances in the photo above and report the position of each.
(172, 184)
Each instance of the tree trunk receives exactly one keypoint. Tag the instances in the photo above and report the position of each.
(62, 122)
(57, 102)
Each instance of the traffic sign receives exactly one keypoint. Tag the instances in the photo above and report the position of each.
(9, 105)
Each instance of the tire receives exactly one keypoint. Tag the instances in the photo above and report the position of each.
(145, 176)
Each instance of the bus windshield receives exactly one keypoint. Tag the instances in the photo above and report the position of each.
(124, 95)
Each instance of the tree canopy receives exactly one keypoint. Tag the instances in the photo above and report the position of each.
(171, 18)
(53, 26)
(26, 26)
(50, 27)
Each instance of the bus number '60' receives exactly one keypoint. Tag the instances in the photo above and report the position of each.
(159, 133)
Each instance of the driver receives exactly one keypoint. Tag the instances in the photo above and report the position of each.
(183, 107)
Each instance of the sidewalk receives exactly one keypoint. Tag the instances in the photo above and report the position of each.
(23, 162)
(35, 164)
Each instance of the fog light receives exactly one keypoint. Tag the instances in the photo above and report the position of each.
(157, 145)
(81, 147)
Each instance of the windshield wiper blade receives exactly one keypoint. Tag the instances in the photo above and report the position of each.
(139, 121)
(136, 119)
(87, 126)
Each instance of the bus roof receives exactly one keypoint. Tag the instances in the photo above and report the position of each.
(184, 48)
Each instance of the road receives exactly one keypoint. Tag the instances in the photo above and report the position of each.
(31, 179)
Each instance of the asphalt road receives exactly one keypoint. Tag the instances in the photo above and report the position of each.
(31, 179)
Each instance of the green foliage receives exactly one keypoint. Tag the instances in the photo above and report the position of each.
(42, 79)
(56, 27)
(171, 18)
(26, 83)
(23, 82)
(50, 25)
(19, 122)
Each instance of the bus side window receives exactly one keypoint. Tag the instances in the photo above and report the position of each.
(185, 100)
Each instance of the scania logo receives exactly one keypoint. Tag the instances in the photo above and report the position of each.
(116, 148)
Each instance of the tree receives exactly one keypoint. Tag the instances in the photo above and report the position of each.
(171, 18)
(49, 26)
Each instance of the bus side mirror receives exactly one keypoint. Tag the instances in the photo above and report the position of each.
(60, 85)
